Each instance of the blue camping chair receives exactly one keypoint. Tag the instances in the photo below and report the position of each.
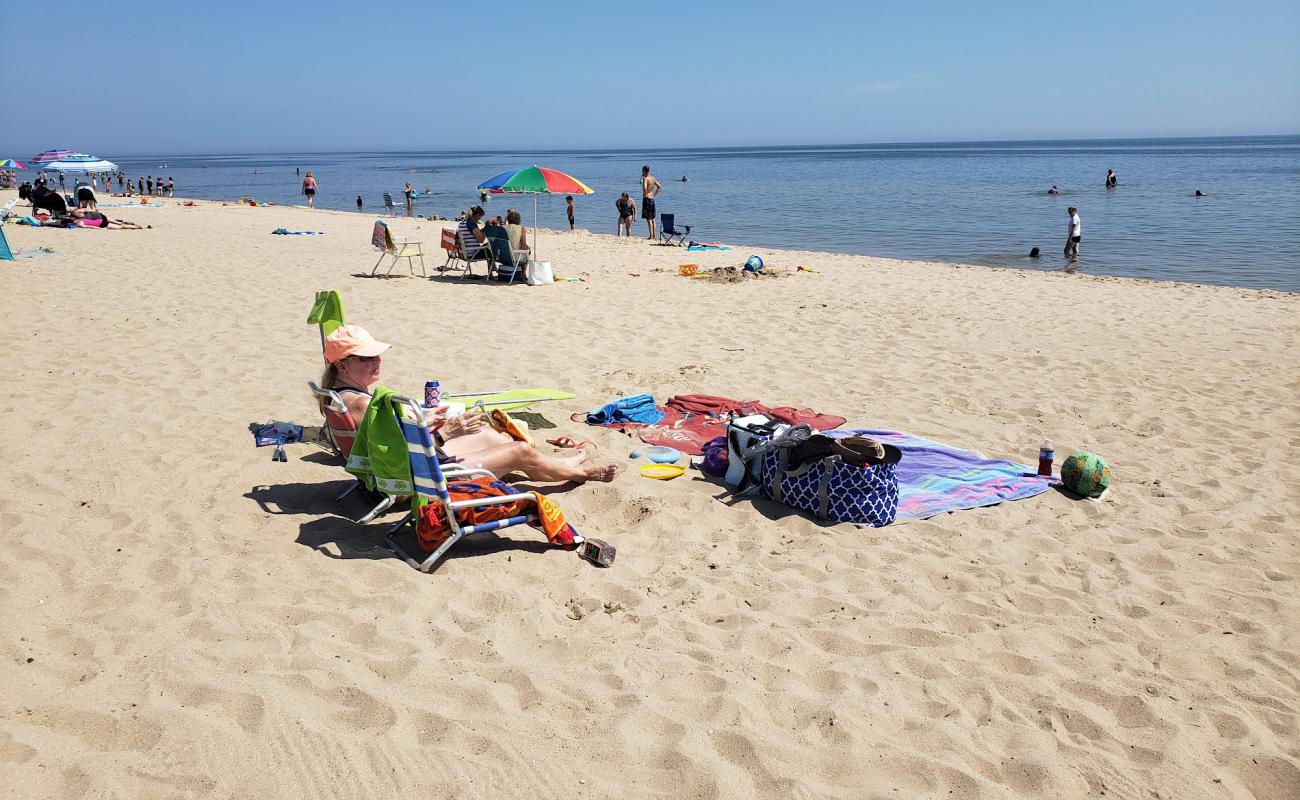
(669, 234)
(430, 481)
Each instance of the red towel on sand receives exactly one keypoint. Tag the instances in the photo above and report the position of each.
(691, 420)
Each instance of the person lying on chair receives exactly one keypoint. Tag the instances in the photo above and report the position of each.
(353, 365)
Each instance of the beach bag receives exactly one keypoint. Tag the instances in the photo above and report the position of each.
(830, 488)
(742, 434)
(540, 273)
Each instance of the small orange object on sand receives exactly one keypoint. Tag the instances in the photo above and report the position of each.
(688, 270)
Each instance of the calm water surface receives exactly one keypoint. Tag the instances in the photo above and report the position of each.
(978, 203)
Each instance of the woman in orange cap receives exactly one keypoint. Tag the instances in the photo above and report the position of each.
(354, 360)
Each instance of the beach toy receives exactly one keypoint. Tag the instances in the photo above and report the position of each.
(658, 454)
(754, 264)
(1086, 474)
(662, 472)
(687, 270)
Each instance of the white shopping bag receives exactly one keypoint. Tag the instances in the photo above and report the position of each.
(539, 272)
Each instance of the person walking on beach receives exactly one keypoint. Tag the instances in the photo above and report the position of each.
(309, 189)
(1111, 180)
(409, 191)
(626, 213)
(649, 191)
(1074, 234)
(568, 209)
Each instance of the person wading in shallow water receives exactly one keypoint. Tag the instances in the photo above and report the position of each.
(1074, 234)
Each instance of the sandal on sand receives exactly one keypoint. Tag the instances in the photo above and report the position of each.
(567, 443)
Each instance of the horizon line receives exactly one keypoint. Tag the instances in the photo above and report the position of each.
(652, 148)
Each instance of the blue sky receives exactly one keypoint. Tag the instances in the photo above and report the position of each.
(271, 76)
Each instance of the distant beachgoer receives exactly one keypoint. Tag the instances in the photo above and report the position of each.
(483, 197)
(297, 171)
(1111, 180)
(1053, 190)
(568, 209)
(626, 213)
(309, 189)
(1199, 193)
(121, 178)
(1033, 252)
(87, 218)
(685, 179)
(409, 191)
(650, 188)
(468, 228)
(358, 202)
(61, 184)
(518, 236)
(149, 183)
(1074, 234)
(171, 186)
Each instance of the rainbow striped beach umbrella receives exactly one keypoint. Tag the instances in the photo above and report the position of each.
(9, 163)
(50, 155)
(534, 180)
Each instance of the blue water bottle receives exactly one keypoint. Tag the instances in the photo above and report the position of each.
(432, 394)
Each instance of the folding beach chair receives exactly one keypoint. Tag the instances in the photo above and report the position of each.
(7, 210)
(472, 250)
(341, 430)
(388, 205)
(669, 234)
(382, 239)
(430, 481)
(505, 255)
(452, 245)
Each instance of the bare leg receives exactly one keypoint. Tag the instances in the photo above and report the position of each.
(519, 457)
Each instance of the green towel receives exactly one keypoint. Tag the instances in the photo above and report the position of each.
(379, 455)
(521, 398)
(327, 312)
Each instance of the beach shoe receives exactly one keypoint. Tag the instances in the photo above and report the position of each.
(568, 443)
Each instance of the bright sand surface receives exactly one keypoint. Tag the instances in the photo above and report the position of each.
(184, 617)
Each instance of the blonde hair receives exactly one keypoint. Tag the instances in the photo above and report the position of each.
(328, 380)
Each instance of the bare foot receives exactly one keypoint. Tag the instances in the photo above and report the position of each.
(604, 474)
(574, 460)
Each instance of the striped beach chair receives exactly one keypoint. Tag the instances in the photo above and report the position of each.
(341, 433)
(430, 481)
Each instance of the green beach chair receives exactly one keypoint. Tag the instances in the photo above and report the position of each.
(505, 255)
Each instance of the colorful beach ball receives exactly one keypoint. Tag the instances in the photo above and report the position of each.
(1086, 474)
(754, 264)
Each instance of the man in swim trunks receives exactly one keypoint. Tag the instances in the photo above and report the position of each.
(649, 191)
(1074, 234)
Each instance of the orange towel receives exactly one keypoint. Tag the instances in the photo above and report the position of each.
(431, 526)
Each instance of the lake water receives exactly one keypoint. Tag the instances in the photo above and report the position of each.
(976, 203)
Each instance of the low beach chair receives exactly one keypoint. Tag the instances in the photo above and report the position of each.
(7, 210)
(670, 234)
(452, 245)
(430, 481)
(341, 432)
(388, 205)
(505, 255)
(382, 239)
(472, 250)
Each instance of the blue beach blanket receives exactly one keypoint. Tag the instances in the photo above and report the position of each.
(638, 408)
(283, 232)
(707, 246)
(934, 478)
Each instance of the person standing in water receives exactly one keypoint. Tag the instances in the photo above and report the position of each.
(358, 202)
(1111, 180)
(409, 192)
(1074, 234)
(650, 188)
(309, 189)
(568, 209)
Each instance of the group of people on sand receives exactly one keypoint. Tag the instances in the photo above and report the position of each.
(474, 226)
(626, 206)
(353, 364)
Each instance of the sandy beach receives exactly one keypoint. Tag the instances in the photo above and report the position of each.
(186, 618)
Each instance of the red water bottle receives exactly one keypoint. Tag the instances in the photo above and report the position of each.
(1045, 457)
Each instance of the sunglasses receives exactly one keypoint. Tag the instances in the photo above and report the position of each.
(365, 359)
